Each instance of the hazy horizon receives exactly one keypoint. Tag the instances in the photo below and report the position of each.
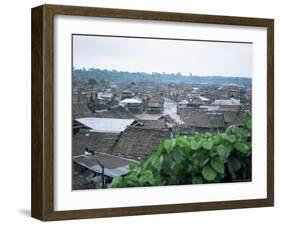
(172, 73)
(201, 58)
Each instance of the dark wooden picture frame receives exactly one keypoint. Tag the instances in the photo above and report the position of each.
(43, 112)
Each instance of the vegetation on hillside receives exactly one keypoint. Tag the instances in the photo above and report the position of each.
(124, 76)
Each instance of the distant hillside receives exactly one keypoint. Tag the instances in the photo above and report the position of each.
(127, 77)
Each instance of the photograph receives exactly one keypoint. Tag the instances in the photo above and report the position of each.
(141, 112)
(152, 111)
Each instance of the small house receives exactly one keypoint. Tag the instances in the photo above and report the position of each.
(127, 94)
(203, 122)
(155, 105)
(133, 105)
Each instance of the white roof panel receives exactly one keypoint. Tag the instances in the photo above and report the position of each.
(104, 95)
(131, 101)
(230, 101)
(184, 102)
(203, 98)
(106, 125)
(210, 107)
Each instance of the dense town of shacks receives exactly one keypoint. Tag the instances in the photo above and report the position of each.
(115, 125)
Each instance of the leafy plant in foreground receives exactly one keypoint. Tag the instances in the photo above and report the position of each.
(197, 159)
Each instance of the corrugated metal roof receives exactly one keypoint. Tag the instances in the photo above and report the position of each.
(184, 102)
(230, 101)
(114, 166)
(131, 101)
(102, 95)
(106, 125)
(204, 98)
(210, 107)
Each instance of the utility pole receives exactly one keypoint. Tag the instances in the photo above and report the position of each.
(100, 164)
(102, 172)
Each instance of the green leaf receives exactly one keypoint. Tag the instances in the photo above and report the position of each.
(216, 139)
(131, 180)
(183, 143)
(156, 162)
(169, 144)
(249, 124)
(203, 162)
(132, 176)
(147, 178)
(223, 151)
(197, 180)
(117, 182)
(231, 138)
(177, 155)
(218, 165)
(167, 160)
(234, 130)
(161, 148)
(197, 136)
(208, 173)
(242, 147)
(233, 165)
(195, 145)
(176, 168)
(132, 166)
(228, 130)
(245, 133)
(208, 144)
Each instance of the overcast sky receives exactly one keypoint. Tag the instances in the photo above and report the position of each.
(169, 56)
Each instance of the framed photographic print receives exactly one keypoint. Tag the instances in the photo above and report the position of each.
(142, 112)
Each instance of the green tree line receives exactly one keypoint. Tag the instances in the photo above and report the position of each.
(124, 76)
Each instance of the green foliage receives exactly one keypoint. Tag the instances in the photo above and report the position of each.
(129, 77)
(209, 173)
(218, 165)
(197, 159)
(92, 82)
(223, 151)
(188, 90)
